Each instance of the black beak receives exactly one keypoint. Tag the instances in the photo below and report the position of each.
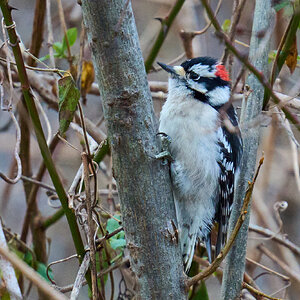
(167, 68)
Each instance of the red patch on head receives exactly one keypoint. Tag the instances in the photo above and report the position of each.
(222, 73)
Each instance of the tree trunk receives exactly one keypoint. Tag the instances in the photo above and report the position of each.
(251, 109)
(143, 182)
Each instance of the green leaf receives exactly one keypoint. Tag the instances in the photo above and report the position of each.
(201, 294)
(117, 243)
(58, 47)
(69, 96)
(118, 240)
(113, 224)
(226, 25)
(71, 36)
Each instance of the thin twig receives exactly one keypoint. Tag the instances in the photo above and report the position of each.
(188, 36)
(173, 61)
(48, 70)
(68, 288)
(257, 292)
(41, 184)
(89, 208)
(108, 236)
(31, 275)
(268, 269)
(293, 274)
(216, 263)
(279, 238)
(58, 262)
(80, 276)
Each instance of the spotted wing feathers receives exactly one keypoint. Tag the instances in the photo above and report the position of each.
(230, 153)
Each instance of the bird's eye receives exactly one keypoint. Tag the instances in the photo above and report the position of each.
(194, 76)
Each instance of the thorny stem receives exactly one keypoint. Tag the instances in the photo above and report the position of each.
(165, 26)
(260, 77)
(216, 263)
(14, 41)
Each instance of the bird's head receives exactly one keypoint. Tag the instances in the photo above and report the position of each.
(204, 77)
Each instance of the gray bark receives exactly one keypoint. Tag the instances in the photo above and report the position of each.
(143, 182)
(258, 56)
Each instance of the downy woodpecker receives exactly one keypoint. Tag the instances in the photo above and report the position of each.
(205, 153)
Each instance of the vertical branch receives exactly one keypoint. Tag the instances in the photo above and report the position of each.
(235, 262)
(143, 182)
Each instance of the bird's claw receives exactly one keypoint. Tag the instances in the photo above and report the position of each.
(165, 154)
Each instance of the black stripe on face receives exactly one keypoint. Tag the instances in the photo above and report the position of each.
(201, 97)
(210, 83)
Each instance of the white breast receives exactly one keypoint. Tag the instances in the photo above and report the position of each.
(192, 126)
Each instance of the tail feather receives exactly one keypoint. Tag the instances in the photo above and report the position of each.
(207, 241)
(222, 235)
(188, 241)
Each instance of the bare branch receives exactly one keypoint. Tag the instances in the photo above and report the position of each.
(80, 276)
(279, 238)
(293, 274)
(33, 276)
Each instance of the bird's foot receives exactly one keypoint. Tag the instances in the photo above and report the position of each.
(165, 154)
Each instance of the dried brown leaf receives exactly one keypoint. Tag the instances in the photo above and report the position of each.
(291, 60)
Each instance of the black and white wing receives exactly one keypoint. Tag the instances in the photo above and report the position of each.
(230, 144)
